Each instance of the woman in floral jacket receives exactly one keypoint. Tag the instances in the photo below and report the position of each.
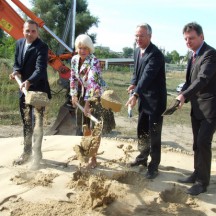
(86, 81)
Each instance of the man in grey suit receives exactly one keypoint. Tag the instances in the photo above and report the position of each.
(200, 90)
(149, 87)
(31, 57)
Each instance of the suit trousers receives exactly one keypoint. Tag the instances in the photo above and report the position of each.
(32, 127)
(149, 130)
(203, 131)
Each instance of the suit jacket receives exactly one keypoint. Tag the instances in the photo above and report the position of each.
(200, 86)
(34, 65)
(150, 80)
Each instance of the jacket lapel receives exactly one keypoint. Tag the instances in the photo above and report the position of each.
(28, 51)
(193, 66)
(25, 57)
(137, 58)
(145, 57)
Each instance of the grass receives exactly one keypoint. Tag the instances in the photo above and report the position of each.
(119, 82)
(180, 116)
(8, 96)
(116, 80)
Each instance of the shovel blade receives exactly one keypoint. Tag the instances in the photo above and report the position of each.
(172, 108)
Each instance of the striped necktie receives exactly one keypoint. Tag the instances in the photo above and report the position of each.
(194, 57)
(141, 56)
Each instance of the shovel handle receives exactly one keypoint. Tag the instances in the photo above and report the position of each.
(20, 83)
(88, 115)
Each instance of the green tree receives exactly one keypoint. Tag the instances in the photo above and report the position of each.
(54, 14)
(168, 58)
(175, 57)
(104, 52)
(2, 35)
(127, 52)
(172, 57)
(7, 46)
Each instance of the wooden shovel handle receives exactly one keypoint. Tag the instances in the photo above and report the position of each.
(20, 83)
(89, 115)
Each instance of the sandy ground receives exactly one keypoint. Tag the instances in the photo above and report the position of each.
(62, 187)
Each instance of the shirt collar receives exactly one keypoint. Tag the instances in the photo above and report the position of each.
(197, 52)
(142, 51)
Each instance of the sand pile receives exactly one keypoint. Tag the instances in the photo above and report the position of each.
(61, 187)
(110, 100)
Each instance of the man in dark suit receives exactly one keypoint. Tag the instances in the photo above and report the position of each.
(149, 87)
(31, 57)
(200, 90)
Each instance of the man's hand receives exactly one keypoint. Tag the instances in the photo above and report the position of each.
(25, 85)
(131, 102)
(181, 98)
(12, 75)
(130, 88)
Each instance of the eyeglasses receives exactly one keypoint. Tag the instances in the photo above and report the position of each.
(141, 36)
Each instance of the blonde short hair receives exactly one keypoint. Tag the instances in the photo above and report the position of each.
(84, 40)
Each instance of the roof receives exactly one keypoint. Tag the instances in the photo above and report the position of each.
(113, 60)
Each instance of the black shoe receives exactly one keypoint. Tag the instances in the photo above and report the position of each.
(196, 189)
(151, 174)
(22, 159)
(190, 179)
(137, 163)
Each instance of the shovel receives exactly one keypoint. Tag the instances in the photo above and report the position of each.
(88, 115)
(90, 142)
(110, 100)
(86, 130)
(172, 108)
(34, 98)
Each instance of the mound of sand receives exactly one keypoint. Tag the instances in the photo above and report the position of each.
(110, 100)
(61, 187)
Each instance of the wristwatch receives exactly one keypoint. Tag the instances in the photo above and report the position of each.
(135, 95)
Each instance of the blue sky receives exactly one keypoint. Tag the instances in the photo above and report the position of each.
(118, 20)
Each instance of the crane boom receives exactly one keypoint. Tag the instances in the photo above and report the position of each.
(12, 23)
(39, 21)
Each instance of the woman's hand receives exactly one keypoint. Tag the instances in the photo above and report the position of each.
(74, 100)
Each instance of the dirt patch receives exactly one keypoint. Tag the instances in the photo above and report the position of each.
(34, 178)
(113, 188)
(89, 144)
(96, 194)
